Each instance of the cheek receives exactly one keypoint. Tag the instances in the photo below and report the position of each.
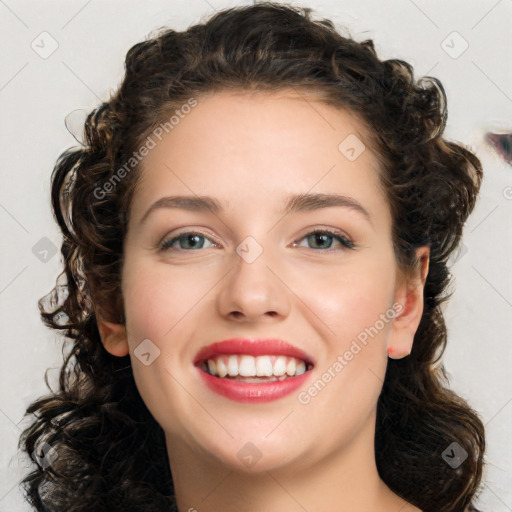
(353, 297)
(157, 299)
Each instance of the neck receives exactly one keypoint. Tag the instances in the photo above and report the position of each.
(342, 481)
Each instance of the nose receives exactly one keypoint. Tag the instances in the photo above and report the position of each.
(253, 292)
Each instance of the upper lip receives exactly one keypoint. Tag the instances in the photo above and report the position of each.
(251, 347)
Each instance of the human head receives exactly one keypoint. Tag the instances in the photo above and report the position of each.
(430, 185)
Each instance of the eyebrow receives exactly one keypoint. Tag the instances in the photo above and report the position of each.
(294, 203)
(190, 203)
(305, 202)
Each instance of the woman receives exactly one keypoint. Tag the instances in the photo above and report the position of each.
(256, 236)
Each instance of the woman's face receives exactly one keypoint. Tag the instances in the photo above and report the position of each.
(252, 268)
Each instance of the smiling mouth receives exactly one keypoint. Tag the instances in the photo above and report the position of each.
(254, 369)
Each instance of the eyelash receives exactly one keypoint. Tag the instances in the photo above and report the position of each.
(166, 245)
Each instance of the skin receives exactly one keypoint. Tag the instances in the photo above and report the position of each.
(250, 151)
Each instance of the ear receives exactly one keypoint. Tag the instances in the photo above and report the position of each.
(409, 294)
(113, 336)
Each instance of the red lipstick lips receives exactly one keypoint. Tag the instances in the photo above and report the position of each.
(270, 388)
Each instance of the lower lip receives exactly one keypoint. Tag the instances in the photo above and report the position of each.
(253, 393)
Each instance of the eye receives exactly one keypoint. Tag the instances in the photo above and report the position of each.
(318, 240)
(186, 241)
(323, 240)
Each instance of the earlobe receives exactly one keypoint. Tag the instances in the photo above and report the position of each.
(410, 296)
(113, 336)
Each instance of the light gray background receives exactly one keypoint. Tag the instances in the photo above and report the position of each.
(36, 94)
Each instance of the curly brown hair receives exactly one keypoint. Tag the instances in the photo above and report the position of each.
(111, 451)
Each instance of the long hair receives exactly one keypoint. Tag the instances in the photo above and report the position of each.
(111, 452)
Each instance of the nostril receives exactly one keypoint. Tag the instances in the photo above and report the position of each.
(239, 314)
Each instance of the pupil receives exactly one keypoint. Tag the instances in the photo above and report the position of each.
(192, 240)
(319, 239)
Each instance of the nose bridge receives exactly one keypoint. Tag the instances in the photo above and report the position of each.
(251, 288)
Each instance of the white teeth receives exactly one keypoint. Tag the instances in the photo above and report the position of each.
(280, 366)
(247, 366)
(264, 366)
(222, 371)
(232, 366)
(212, 367)
(261, 366)
(301, 368)
(291, 367)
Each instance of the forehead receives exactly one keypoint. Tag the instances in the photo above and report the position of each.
(285, 118)
(258, 144)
